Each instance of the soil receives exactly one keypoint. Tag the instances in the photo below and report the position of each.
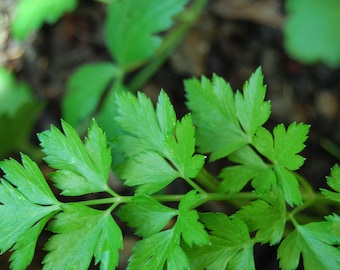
(232, 38)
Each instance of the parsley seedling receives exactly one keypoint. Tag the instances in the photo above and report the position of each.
(150, 149)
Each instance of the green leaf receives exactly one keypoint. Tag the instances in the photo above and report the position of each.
(282, 150)
(252, 110)
(26, 244)
(84, 92)
(267, 216)
(289, 184)
(13, 94)
(155, 149)
(334, 221)
(214, 114)
(146, 214)
(333, 181)
(314, 23)
(26, 204)
(192, 230)
(317, 245)
(15, 131)
(163, 247)
(81, 169)
(154, 251)
(21, 219)
(28, 179)
(230, 245)
(31, 14)
(81, 233)
(181, 149)
(132, 26)
(149, 171)
(18, 113)
(251, 167)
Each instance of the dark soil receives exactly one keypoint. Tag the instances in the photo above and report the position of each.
(229, 39)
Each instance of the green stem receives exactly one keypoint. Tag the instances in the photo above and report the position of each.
(115, 200)
(194, 185)
(331, 147)
(170, 43)
(207, 180)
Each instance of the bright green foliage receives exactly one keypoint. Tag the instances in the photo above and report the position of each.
(159, 248)
(230, 245)
(150, 148)
(251, 167)
(281, 149)
(81, 233)
(146, 214)
(334, 182)
(86, 86)
(192, 231)
(335, 224)
(31, 14)
(252, 110)
(156, 148)
(18, 112)
(228, 124)
(24, 210)
(81, 169)
(132, 27)
(225, 122)
(317, 245)
(267, 216)
(311, 31)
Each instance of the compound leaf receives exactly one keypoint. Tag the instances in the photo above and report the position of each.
(317, 245)
(156, 149)
(31, 14)
(132, 26)
(81, 169)
(81, 233)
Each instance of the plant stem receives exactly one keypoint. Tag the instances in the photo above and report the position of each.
(170, 43)
(207, 180)
(115, 200)
(194, 185)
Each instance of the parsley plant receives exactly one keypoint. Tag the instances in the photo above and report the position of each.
(150, 150)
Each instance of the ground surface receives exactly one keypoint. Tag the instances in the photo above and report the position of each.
(232, 38)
